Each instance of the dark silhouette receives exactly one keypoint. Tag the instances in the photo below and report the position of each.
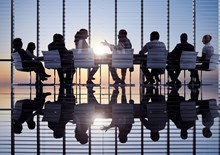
(173, 66)
(122, 115)
(84, 115)
(30, 50)
(57, 119)
(207, 52)
(67, 71)
(28, 61)
(153, 44)
(155, 111)
(123, 43)
(26, 109)
(84, 118)
(80, 43)
(177, 106)
(209, 110)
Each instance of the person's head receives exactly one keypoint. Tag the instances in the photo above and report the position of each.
(17, 43)
(81, 137)
(206, 39)
(184, 134)
(183, 37)
(122, 34)
(58, 133)
(77, 36)
(154, 36)
(206, 132)
(58, 38)
(31, 46)
(155, 136)
(123, 138)
(31, 124)
(84, 33)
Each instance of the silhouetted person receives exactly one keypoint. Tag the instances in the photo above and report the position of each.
(77, 37)
(153, 44)
(80, 43)
(67, 71)
(84, 115)
(123, 43)
(207, 51)
(156, 112)
(30, 50)
(179, 116)
(26, 109)
(122, 119)
(27, 61)
(66, 104)
(209, 110)
(173, 66)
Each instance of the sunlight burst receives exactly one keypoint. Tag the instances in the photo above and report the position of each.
(101, 49)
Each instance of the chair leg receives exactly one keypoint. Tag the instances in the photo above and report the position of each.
(30, 78)
(201, 76)
(184, 75)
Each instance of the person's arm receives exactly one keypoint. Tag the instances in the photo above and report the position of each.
(144, 49)
(106, 128)
(111, 46)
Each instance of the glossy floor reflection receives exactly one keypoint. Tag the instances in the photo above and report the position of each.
(111, 120)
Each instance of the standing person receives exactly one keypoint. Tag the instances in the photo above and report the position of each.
(27, 61)
(80, 42)
(123, 43)
(66, 59)
(153, 44)
(173, 66)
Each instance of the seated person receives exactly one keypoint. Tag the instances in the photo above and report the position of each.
(123, 43)
(25, 110)
(153, 44)
(173, 66)
(30, 50)
(155, 112)
(80, 43)
(27, 61)
(67, 71)
(207, 51)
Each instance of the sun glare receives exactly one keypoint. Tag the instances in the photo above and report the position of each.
(101, 49)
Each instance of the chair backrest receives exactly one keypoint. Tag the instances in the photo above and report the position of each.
(17, 61)
(84, 113)
(213, 62)
(83, 58)
(157, 58)
(213, 108)
(52, 59)
(188, 60)
(122, 58)
(188, 111)
(122, 114)
(157, 110)
(52, 112)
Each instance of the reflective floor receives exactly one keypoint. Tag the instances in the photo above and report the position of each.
(110, 119)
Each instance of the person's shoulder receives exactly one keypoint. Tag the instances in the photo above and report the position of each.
(188, 44)
(51, 45)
